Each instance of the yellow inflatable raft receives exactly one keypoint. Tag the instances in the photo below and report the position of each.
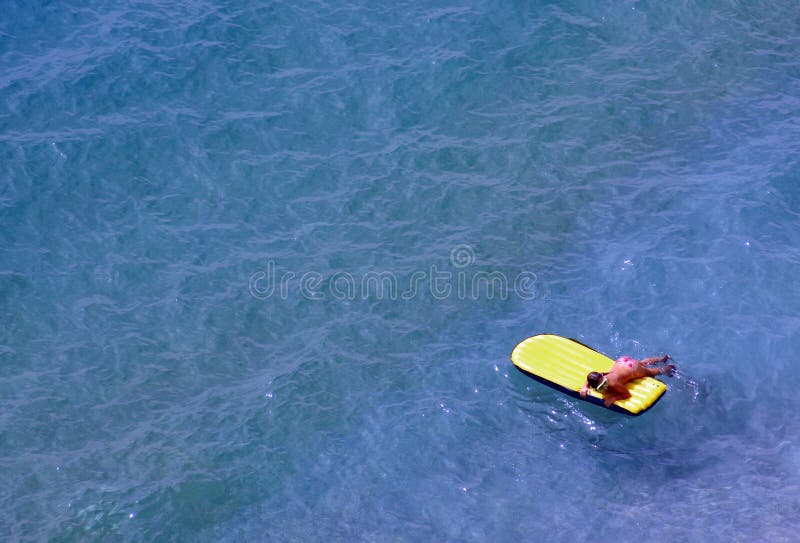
(563, 364)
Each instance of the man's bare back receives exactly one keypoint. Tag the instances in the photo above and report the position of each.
(626, 369)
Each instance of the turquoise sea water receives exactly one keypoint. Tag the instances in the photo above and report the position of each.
(629, 169)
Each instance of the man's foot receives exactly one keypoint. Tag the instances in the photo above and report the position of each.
(669, 369)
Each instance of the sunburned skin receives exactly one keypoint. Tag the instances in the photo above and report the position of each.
(626, 369)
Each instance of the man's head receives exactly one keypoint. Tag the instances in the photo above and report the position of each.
(594, 379)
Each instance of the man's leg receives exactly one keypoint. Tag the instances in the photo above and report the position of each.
(653, 360)
(669, 369)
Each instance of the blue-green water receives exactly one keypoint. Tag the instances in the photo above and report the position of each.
(166, 167)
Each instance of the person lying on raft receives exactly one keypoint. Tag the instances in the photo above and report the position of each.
(612, 383)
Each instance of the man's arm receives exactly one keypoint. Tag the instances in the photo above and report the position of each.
(615, 395)
(584, 389)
